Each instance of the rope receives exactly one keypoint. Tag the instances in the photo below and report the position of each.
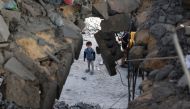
(156, 58)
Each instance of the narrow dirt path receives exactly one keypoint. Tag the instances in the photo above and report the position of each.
(99, 88)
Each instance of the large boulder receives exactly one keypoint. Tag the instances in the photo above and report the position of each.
(116, 23)
(123, 6)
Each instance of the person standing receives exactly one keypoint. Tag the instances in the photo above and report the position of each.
(90, 55)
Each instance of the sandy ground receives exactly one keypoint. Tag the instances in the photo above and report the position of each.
(99, 88)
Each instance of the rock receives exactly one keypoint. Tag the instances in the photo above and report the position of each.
(22, 92)
(136, 52)
(84, 78)
(153, 64)
(15, 67)
(68, 12)
(10, 15)
(152, 44)
(187, 30)
(49, 93)
(162, 19)
(30, 9)
(142, 17)
(7, 55)
(2, 59)
(119, 22)
(142, 37)
(4, 30)
(41, 42)
(123, 6)
(80, 24)
(56, 19)
(182, 82)
(85, 10)
(162, 91)
(158, 30)
(181, 104)
(102, 8)
(167, 39)
(153, 74)
(164, 72)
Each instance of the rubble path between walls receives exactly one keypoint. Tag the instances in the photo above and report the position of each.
(99, 88)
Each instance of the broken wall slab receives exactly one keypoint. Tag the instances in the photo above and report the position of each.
(109, 49)
(116, 23)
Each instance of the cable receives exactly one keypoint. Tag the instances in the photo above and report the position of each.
(121, 78)
(117, 100)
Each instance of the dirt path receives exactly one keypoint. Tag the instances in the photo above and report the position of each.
(99, 88)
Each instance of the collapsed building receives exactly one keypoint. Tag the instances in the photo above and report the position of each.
(41, 38)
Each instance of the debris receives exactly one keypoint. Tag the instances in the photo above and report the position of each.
(84, 78)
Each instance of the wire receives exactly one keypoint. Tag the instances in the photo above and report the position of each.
(118, 100)
(121, 78)
(156, 58)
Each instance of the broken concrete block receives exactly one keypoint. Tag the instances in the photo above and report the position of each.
(116, 23)
(102, 8)
(14, 66)
(10, 15)
(4, 30)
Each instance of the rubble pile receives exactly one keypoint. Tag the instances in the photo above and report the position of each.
(39, 40)
(158, 21)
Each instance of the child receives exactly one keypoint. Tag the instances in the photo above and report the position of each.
(90, 55)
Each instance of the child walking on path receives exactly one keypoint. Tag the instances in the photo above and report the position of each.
(90, 55)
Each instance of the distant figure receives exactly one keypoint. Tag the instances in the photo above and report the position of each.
(90, 55)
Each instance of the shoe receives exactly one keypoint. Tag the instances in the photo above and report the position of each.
(87, 70)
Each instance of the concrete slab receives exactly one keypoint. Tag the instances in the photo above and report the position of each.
(14, 66)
